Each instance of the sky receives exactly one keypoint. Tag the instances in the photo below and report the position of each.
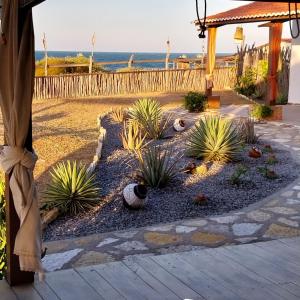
(134, 25)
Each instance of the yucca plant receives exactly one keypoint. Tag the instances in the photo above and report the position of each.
(214, 139)
(118, 114)
(149, 114)
(156, 166)
(131, 136)
(247, 131)
(73, 189)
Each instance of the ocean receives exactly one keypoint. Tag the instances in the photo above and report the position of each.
(121, 56)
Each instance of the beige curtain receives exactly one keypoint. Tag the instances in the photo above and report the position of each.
(211, 56)
(16, 90)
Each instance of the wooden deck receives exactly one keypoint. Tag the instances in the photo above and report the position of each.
(267, 271)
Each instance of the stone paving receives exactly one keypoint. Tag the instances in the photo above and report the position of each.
(277, 216)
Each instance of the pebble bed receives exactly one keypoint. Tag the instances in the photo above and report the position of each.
(174, 202)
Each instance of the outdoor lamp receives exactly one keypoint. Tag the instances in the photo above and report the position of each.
(239, 35)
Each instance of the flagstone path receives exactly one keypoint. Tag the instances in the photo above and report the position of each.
(277, 216)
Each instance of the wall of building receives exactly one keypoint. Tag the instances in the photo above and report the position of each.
(294, 90)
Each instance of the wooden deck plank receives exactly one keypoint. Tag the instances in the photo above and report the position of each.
(126, 282)
(6, 292)
(258, 265)
(233, 278)
(152, 281)
(287, 261)
(257, 280)
(26, 292)
(178, 287)
(194, 278)
(68, 285)
(278, 266)
(44, 290)
(102, 287)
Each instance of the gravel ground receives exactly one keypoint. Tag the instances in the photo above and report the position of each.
(174, 202)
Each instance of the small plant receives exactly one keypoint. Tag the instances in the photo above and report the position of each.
(148, 113)
(131, 136)
(261, 111)
(268, 173)
(246, 83)
(195, 102)
(240, 171)
(272, 160)
(156, 166)
(282, 99)
(214, 139)
(247, 131)
(268, 149)
(201, 170)
(118, 115)
(73, 189)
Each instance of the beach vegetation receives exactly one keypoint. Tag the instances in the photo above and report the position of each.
(261, 111)
(131, 136)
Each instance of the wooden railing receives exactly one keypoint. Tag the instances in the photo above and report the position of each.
(113, 84)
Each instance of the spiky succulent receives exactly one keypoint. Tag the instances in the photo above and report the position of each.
(132, 138)
(149, 114)
(72, 189)
(118, 114)
(156, 166)
(214, 139)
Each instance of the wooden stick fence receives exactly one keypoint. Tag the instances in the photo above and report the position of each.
(113, 84)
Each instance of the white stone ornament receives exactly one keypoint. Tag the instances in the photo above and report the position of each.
(134, 196)
(179, 125)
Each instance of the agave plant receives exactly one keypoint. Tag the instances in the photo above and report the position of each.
(118, 114)
(214, 139)
(73, 189)
(156, 166)
(131, 136)
(247, 131)
(148, 113)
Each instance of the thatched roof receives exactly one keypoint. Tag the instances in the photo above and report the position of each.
(24, 3)
(253, 12)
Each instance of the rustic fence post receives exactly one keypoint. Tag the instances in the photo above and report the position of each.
(130, 62)
(46, 54)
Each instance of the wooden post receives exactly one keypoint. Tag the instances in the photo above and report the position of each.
(13, 274)
(130, 62)
(46, 54)
(168, 55)
(275, 34)
(211, 59)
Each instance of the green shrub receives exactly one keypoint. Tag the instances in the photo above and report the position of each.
(195, 102)
(131, 136)
(73, 189)
(282, 99)
(156, 166)
(149, 115)
(2, 230)
(239, 172)
(261, 111)
(262, 68)
(246, 84)
(214, 139)
(2, 250)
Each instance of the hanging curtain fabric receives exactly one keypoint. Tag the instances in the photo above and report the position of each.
(16, 90)
(211, 57)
